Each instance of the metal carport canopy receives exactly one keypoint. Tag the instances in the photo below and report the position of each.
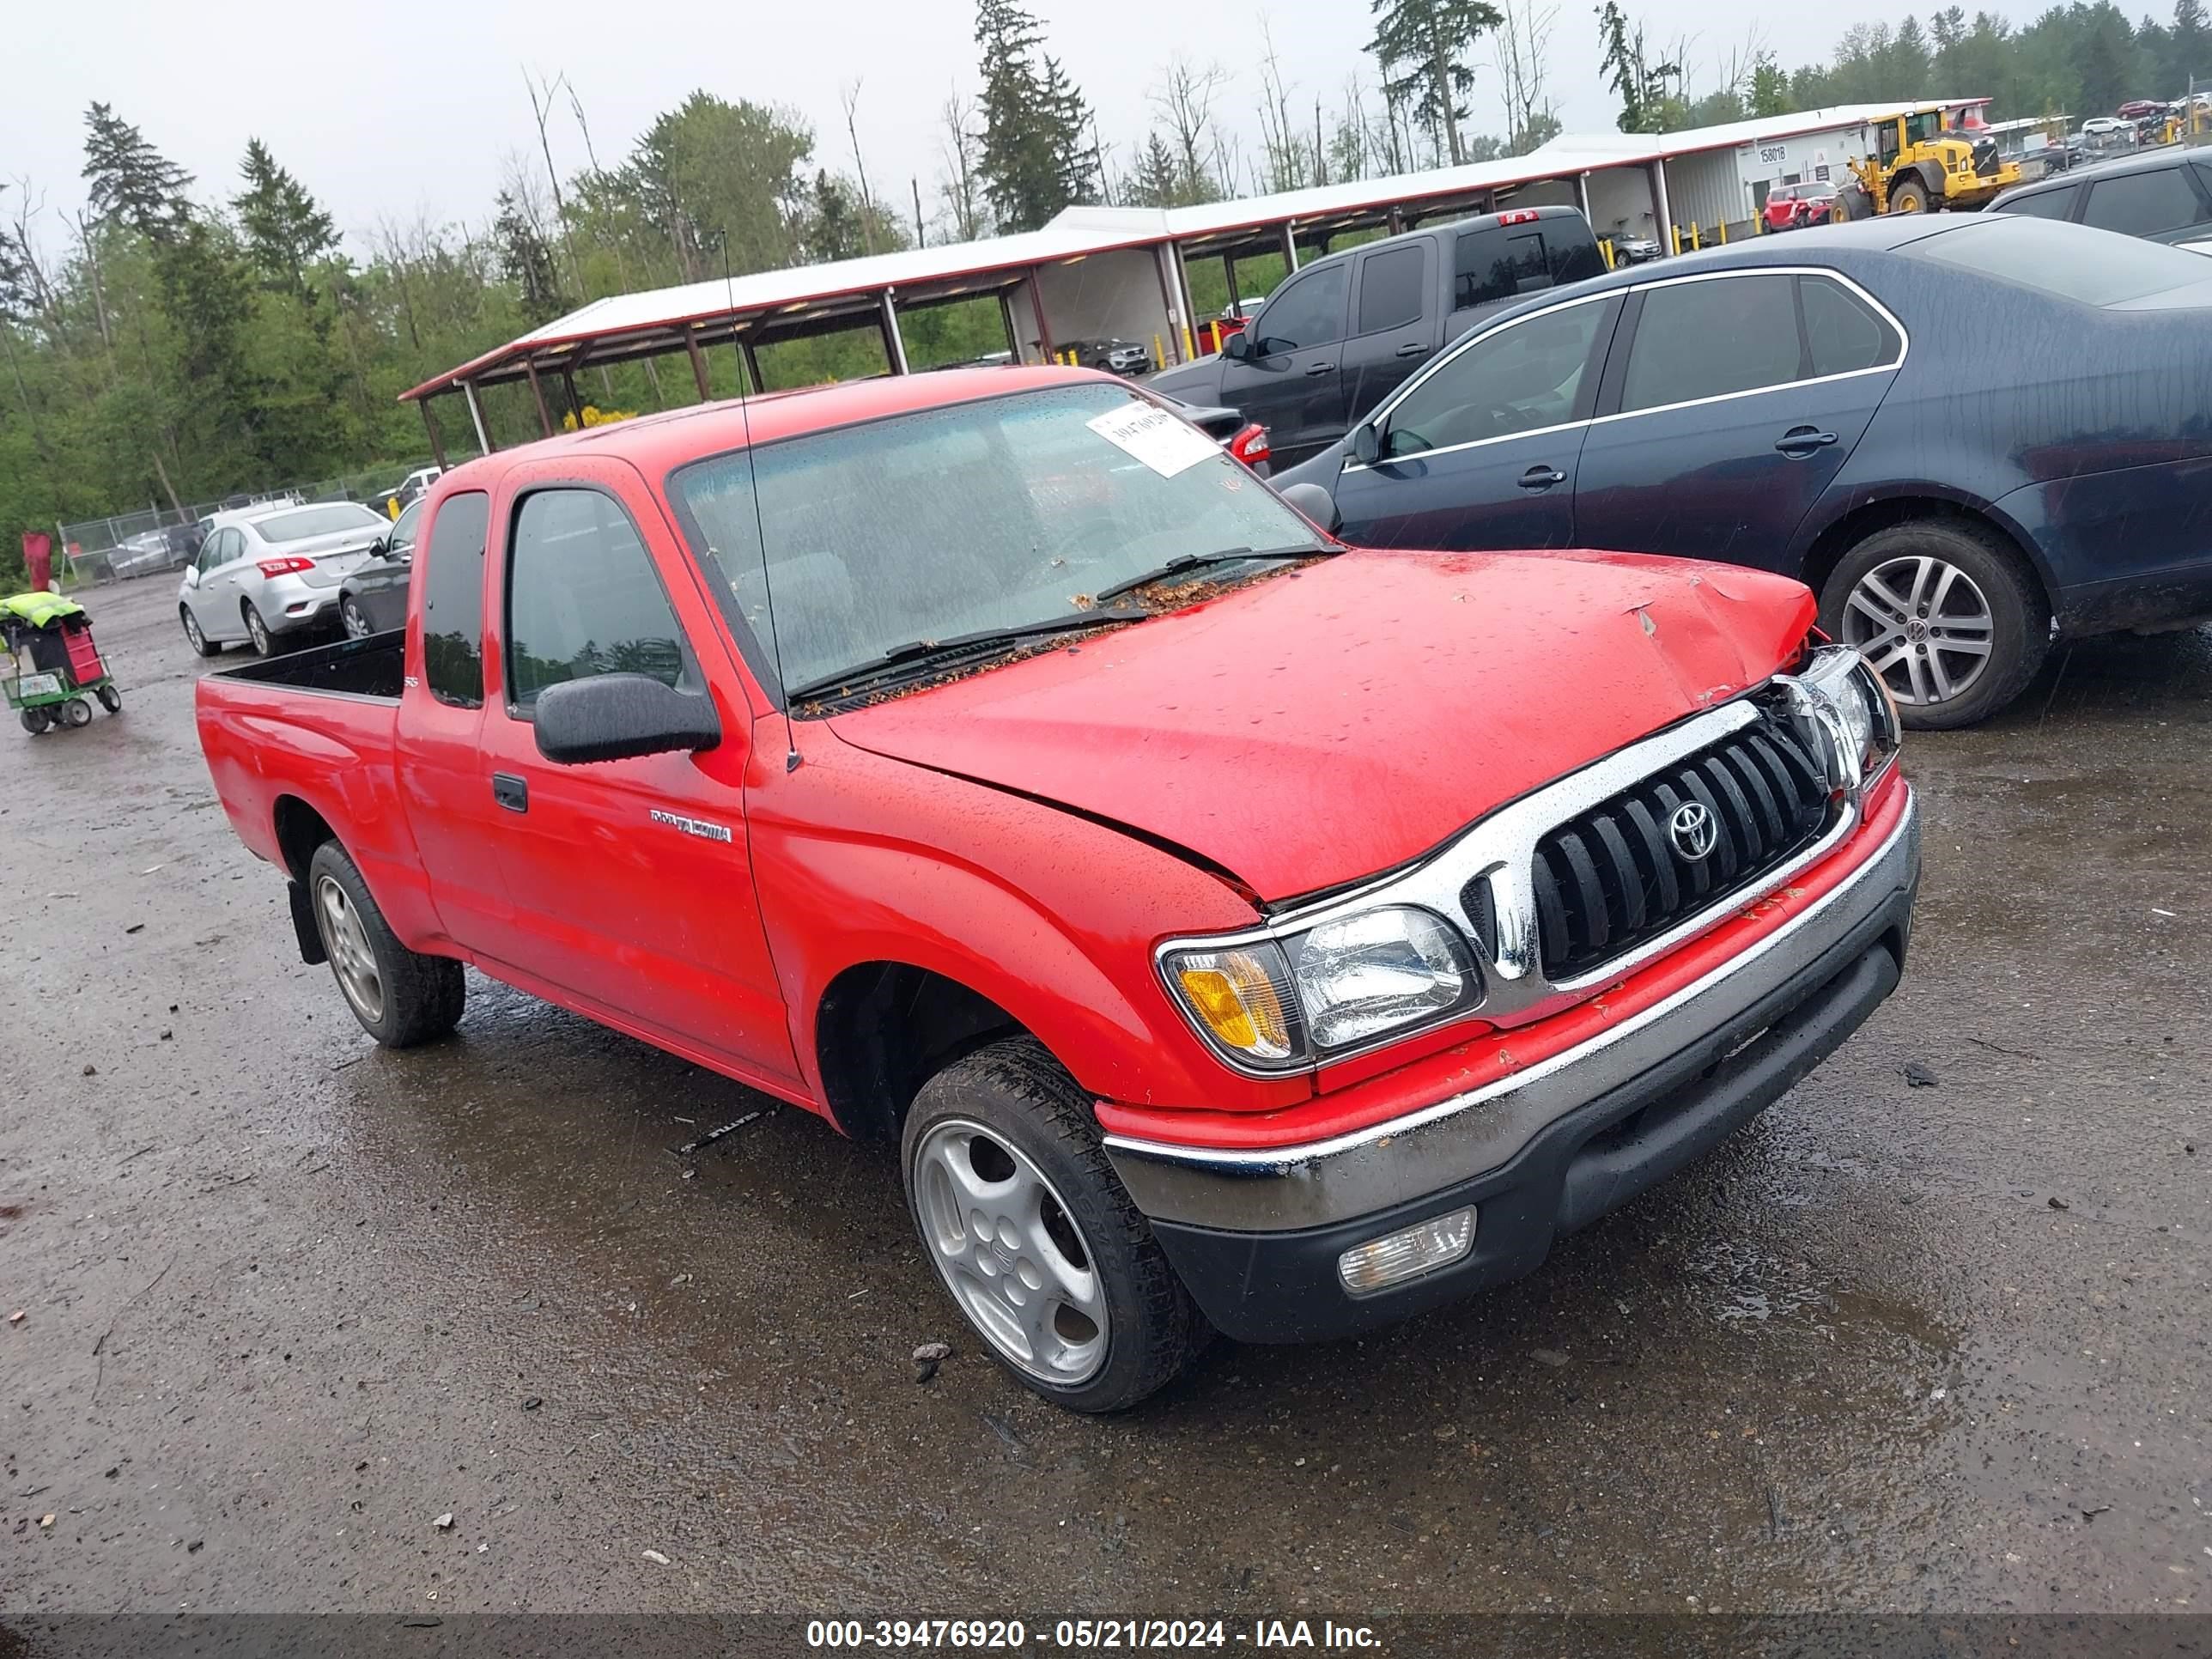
(766, 305)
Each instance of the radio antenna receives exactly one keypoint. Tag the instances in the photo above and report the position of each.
(760, 524)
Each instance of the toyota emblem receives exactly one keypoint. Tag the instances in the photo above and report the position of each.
(1693, 831)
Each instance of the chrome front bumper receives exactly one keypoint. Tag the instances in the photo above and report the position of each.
(1325, 1183)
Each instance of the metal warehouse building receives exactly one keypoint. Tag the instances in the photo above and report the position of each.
(1098, 272)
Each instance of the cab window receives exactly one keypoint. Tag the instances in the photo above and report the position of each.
(452, 600)
(1310, 311)
(583, 598)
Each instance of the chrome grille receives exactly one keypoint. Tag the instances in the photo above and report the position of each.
(1616, 874)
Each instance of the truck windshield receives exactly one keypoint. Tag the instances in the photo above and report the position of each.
(971, 520)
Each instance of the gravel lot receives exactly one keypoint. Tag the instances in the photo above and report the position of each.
(288, 1299)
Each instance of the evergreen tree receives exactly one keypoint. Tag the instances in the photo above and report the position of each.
(526, 261)
(132, 183)
(286, 229)
(1423, 47)
(208, 297)
(2189, 45)
(1036, 156)
(2103, 70)
(1158, 179)
(832, 229)
(1641, 84)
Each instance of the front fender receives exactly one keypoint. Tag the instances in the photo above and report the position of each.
(1050, 914)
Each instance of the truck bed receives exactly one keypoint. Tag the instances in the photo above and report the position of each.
(355, 668)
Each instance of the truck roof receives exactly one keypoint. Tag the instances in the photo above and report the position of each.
(655, 443)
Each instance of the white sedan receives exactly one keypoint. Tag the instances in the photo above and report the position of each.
(266, 572)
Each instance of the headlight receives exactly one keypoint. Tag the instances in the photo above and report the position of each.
(1849, 715)
(1273, 1006)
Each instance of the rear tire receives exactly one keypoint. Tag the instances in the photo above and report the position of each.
(257, 630)
(193, 637)
(1919, 598)
(110, 699)
(1007, 1125)
(76, 712)
(401, 997)
(35, 721)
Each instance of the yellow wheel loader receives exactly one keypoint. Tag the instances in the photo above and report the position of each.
(1918, 165)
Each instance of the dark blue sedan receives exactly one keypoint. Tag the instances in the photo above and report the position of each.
(1968, 435)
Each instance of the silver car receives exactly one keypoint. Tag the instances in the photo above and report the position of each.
(266, 572)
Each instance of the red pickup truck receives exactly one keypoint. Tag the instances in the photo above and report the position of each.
(1235, 931)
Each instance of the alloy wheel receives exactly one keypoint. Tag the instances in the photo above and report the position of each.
(1923, 625)
(258, 629)
(1009, 1251)
(347, 945)
(356, 625)
(193, 632)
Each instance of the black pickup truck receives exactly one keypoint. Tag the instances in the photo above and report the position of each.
(1343, 333)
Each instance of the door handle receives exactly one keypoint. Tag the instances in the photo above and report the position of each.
(1541, 477)
(1320, 368)
(510, 791)
(1801, 441)
(1413, 348)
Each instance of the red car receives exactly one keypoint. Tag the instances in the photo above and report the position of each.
(1792, 206)
(1232, 930)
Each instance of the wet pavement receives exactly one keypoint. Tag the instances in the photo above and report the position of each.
(289, 1299)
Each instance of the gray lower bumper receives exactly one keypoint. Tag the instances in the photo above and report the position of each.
(1456, 1139)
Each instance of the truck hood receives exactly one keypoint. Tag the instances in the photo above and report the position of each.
(1316, 726)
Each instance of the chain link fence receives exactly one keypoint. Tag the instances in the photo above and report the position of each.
(157, 538)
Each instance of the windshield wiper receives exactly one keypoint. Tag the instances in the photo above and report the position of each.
(1177, 567)
(915, 651)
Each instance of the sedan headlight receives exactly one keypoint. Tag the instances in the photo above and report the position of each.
(1280, 1004)
(1846, 711)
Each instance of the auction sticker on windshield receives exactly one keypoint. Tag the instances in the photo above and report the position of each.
(1155, 437)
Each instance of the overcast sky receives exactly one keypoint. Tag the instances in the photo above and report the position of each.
(413, 106)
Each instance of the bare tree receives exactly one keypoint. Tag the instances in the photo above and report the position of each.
(958, 185)
(1185, 99)
(850, 97)
(1517, 48)
(1284, 148)
(541, 110)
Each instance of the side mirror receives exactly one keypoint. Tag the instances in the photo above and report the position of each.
(619, 716)
(1317, 503)
(1237, 348)
(191, 575)
(380, 548)
(1366, 444)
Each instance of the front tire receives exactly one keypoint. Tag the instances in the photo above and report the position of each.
(1036, 1238)
(258, 631)
(76, 712)
(110, 699)
(1950, 618)
(35, 721)
(199, 641)
(1908, 196)
(400, 997)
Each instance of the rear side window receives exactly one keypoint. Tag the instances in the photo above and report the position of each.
(1309, 312)
(2046, 203)
(1710, 338)
(1843, 333)
(2144, 204)
(452, 600)
(1499, 262)
(1391, 286)
(584, 599)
